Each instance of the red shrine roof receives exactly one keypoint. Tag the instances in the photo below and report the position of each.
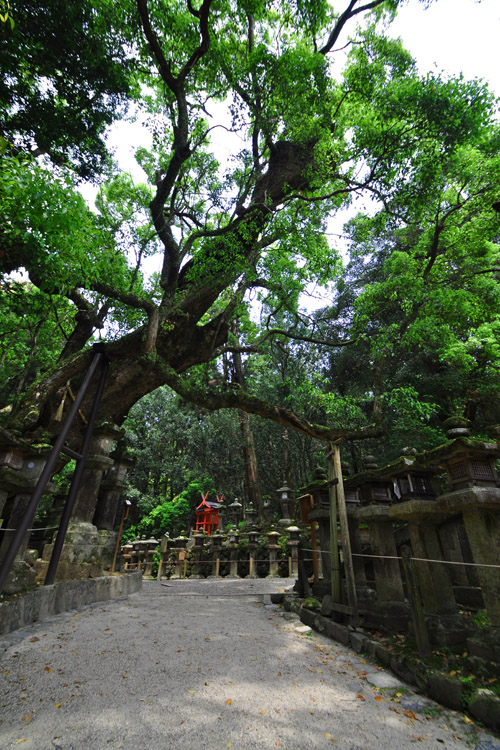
(207, 505)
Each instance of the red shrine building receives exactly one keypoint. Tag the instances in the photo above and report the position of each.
(207, 515)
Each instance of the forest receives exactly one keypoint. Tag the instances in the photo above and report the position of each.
(349, 173)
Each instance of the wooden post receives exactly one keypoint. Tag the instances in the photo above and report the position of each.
(217, 567)
(334, 550)
(124, 516)
(346, 542)
(416, 609)
(303, 588)
(314, 545)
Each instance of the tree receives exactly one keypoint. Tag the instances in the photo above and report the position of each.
(310, 140)
(66, 76)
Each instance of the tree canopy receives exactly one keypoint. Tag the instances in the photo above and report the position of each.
(324, 108)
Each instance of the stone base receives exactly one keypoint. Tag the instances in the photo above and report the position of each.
(448, 630)
(389, 617)
(321, 588)
(69, 571)
(485, 644)
(85, 544)
(468, 596)
(21, 577)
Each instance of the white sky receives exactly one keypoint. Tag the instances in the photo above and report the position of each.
(453, 35)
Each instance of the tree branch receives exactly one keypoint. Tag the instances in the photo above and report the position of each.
(239, 399)
(343, 19)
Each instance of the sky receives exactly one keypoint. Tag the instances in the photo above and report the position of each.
(453, 35)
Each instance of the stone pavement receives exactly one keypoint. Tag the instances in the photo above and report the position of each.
(206, 664)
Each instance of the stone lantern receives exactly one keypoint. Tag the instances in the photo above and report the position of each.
(293, 544)
(199, 541)
(233, 552)
(180, 544)
(287, 502)
(233, 535)
(235, 510)
(223, 509)
(150, 545)
(251, 515)
(372, 485)
(253, 543)
(216, 547)
(273, 548)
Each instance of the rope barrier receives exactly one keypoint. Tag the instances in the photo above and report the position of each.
(35, 528)
(416, 559)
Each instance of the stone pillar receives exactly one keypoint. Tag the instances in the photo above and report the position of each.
(483, 531)
(127, 555)
(233, 552)
(151, 545)
(434, 578)
(22, 575)
(293, 544)
(199, 543)
(387, 571)
(273, 548)
(180, 544)
(163, 554)
(356, 549)
(390, 611)
(215, 548)
(321, 515)
(111, 488)
(96, 463)
(253, 543)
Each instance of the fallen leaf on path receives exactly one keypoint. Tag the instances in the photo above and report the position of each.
(34, 639)
(229, 701)
(378, 698)
(22, 739)
(361, 697)
(48, 669)
(409, 714)
(26, 717)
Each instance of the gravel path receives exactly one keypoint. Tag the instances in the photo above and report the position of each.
(205, 664)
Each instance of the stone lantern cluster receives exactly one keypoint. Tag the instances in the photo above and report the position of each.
(20, 467)
(453, 535)
(219, 553)
(90, 540)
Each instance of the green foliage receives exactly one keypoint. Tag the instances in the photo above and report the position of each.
(66, 76)
(169, 517)
(48, 229)
(32, 325)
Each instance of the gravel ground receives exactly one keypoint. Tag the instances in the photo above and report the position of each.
(205, 664)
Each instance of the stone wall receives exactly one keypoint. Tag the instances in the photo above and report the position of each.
(38, 605)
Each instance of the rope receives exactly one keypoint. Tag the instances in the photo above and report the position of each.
(416, 559)
(35, 528)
